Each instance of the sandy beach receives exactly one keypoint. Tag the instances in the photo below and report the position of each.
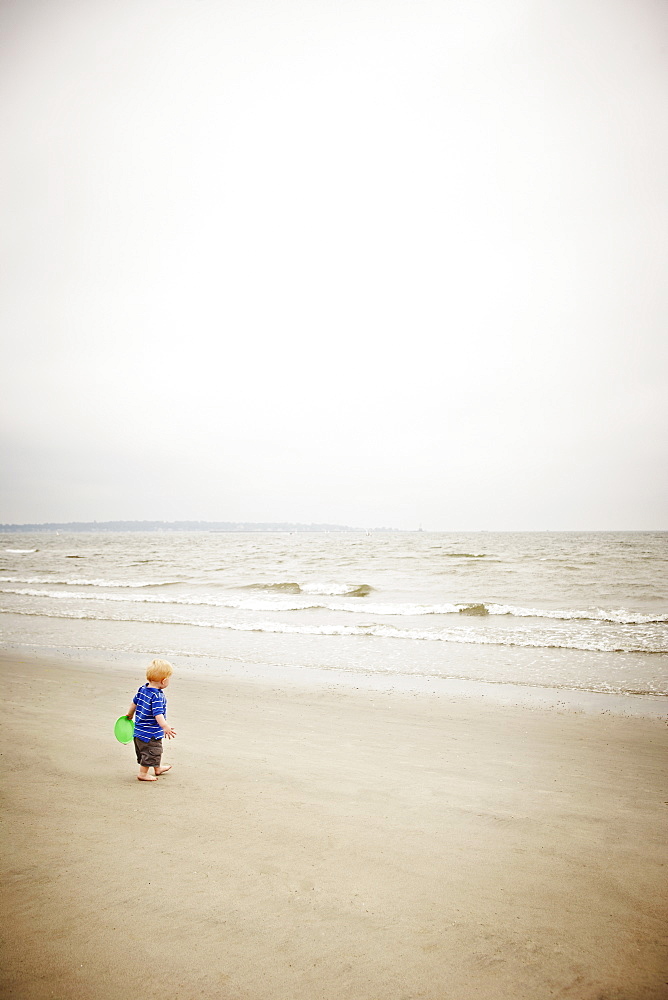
(326, 843)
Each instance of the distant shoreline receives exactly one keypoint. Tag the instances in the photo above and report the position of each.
(221, 526)
(260, 526)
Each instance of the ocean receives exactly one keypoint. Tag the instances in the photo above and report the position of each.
(555, 611)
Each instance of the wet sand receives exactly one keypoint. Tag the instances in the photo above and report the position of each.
(326, 843)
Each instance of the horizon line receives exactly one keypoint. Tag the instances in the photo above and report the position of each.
(240, 526)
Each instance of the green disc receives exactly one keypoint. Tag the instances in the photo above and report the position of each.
(124, 729)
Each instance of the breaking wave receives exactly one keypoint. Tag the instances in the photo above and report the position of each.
(464, 634)
(465, 555)
(275, 603)
(321, 589)
(618, 617)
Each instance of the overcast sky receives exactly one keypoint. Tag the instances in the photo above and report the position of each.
(374, 262)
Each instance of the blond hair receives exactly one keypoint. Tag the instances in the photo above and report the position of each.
(159, 670)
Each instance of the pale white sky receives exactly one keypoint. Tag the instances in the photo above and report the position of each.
(375, 262)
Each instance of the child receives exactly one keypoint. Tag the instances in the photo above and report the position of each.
(150, 706)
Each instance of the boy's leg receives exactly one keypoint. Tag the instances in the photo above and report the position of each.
(159, 767)
(155, 759)
(140, 750)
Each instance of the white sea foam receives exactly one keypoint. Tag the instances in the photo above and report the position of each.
(247, 604)
(22, 551)
(620, 616)
(330, 589)
(617, 617)
(629, 642)
(378, 608)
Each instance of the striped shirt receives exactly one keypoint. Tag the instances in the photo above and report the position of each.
(150, 702)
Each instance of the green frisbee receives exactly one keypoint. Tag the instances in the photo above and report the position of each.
(124, 729)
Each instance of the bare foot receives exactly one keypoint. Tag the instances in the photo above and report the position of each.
(163, 770)
(146, 777)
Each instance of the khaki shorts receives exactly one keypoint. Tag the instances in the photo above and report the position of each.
(148, 752)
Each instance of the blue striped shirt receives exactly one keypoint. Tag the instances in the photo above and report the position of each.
(150, 702)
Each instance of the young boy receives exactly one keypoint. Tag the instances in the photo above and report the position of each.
(150, 706)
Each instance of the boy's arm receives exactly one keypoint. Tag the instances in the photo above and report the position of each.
(167, 730)
(131, 711)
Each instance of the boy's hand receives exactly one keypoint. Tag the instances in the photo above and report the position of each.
(167, 730)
